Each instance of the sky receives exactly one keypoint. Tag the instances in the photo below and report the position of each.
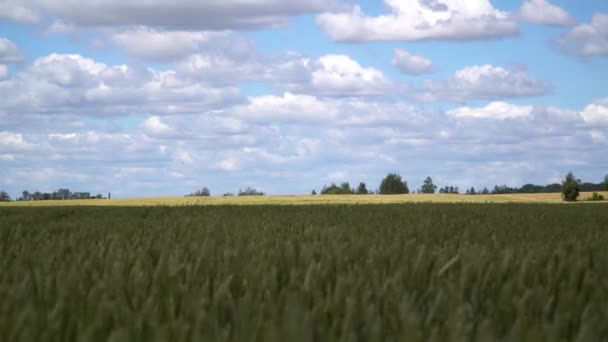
(151, 98)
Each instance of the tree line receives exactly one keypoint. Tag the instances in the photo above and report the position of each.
(61, 194)
(391, 184)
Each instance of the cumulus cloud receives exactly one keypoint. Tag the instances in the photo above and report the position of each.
(328, 75)
(9, 53)
(14, 11)
(411, 64)
(482, 82)
(4, 75)
(269, 143)
(341, 75)
(160, 45)
(61, 84)
(587, 40)
(60, 27)
(411, 20)
(494, 110)
(544, 12)
(185, 15)
(596, 113)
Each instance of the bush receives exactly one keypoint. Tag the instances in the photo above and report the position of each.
(595, 197)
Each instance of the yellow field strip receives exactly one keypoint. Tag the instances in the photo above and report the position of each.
(309, 199)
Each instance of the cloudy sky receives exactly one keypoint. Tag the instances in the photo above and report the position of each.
(145, 97)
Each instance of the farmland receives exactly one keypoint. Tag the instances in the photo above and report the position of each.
(307, 199)
(382, 272)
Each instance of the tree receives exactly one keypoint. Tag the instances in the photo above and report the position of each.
(362, 189)
(313, 192)
(200, 193)
(606, 182)
(428, 187)
(4, 197)
(333, 189)
(485, 191)
(392, 184)
(249, 191)
(570, 188)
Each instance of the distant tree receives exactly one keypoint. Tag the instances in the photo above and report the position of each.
(37, 196)
(201, 193)
(346, 188)
(472, 191)
(570, 188)
(4, 197)
(392, 184)
(227, 194)
(333, 189)
(428, 187)
(485, 191)
(451, 190)
(362, 189)
(26, 195)
(442, 191)
(313, 192)
(606, 182)
(249, 191)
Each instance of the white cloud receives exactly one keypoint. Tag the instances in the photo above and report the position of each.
(544, 12)
(159, 45)
(587, 40)
(494, 110)
(421, 20)
(63, 84)
(408, 63)
(9, 53)
(11, 141)
(482, 82)
(156, 126)
(60, 27)
(228, 164)
(289, 107)
(14, 11)
(341, 75)
(596, 113)
(4, 75)
(186, 15)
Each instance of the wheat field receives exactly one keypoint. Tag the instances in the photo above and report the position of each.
(310, 199)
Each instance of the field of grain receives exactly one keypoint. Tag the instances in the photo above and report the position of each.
(308, 199)
(408, 272)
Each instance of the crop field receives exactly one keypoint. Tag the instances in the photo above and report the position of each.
(382, 272)
(308, 199)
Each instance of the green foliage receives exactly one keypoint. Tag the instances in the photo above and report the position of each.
(333, 189)
(4, 196)
(362, 189)
(426, 272)
(393, 184)
(606, 182)
(428, 187)
(570, 188)
(250, 192)
(595, 197)
(204, 192)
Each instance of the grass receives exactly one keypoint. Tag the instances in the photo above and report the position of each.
(408, 272)
(308, 199)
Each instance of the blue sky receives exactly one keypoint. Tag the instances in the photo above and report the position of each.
(152, 99)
